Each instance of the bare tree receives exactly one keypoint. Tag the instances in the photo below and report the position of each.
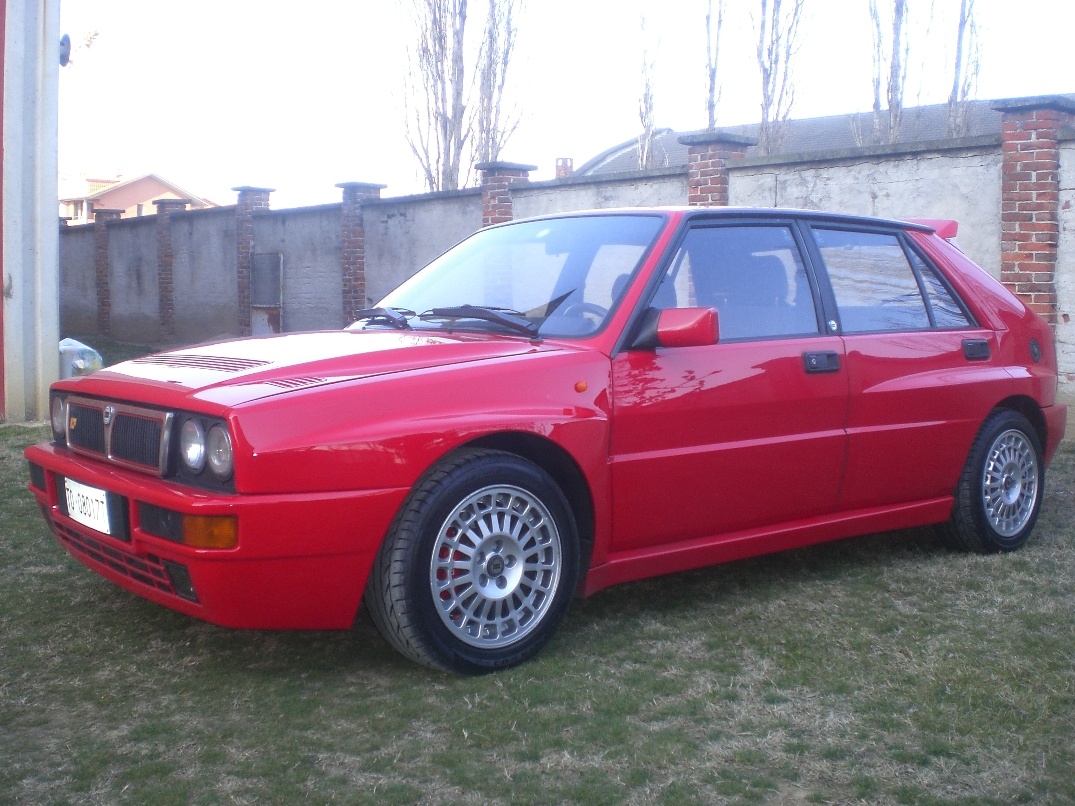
(777, 28)
(712, 50)
(444, 133)
(645, 108)
(493, 126)
(965, 72)
(890, 59)
(437, 126)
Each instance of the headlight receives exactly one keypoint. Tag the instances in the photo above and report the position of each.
(58, 413)
(192, 445)
(218, 445)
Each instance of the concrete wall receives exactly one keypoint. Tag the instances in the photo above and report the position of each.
(649, 189)
(1065, 271)
(308, 238)
(206, 294)
(132, 278)
(78, 290)
(402, 235)
(960, 184)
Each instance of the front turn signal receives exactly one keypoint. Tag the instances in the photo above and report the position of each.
(211, 531)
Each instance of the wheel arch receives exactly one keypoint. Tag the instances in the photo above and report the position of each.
(1029, 408)
(563, 469)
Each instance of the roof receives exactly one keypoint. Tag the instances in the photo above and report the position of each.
(93, 189)
(920, 124)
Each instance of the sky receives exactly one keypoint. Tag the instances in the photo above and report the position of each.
(213, 94)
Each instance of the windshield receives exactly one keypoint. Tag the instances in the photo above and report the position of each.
(553, 277)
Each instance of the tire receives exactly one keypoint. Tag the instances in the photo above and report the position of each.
(1000, 490)
(479, 565)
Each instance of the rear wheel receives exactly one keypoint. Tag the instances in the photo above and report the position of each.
(1000, 490)
(479, 566)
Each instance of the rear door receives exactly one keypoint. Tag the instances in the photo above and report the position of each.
(747, 433)
(917, 365)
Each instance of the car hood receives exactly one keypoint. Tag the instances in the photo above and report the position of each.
(234, 372)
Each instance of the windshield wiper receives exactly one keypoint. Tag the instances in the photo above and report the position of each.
(396, 317)
(513, 320)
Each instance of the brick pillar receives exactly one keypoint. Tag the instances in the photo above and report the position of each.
(707, 165)
(496, 181)
(353, 245)
(104, 293)
(1030, 197)
(166, 262)
(251, 199)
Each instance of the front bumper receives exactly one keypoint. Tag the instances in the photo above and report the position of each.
(301, 561)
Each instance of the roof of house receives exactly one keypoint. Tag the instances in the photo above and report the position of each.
(920, 124)
(92, 189)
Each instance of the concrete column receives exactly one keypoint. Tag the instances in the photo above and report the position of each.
(29, 237)
(708, 154)
(166, 262)
(101, 267)
(353, 245)
(496, 181)
(1030, 197)
(251, 200)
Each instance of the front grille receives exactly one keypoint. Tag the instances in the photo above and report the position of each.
(149, 571)
(131, 436)
(86, 427)
(137, 439)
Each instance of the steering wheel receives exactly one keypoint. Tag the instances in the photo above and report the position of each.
(583, 308)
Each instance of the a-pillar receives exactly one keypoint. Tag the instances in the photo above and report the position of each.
(708, 154)
(166, 262)
(496, 181)
(1030, 197)
(353, 244)
(101, 268)
(250, 201)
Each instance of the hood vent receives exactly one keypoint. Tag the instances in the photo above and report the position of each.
(213, 362)
(295, 383)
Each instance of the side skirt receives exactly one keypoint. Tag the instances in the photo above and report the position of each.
(689, 554)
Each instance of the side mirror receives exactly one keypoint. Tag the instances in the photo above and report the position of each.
(677, 327)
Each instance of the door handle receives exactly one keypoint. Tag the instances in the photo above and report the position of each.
(976, 349)
(823, 361)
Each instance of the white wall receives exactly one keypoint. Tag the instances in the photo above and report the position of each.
(962, 185)
(1065, 276)
(30, 223)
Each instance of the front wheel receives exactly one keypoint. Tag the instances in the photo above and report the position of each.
(1000, 490)
(479, 565)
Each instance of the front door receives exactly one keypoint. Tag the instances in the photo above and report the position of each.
(748, 433)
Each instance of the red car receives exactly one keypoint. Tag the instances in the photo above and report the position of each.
(558, 405)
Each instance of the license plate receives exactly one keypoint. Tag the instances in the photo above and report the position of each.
(87, 505)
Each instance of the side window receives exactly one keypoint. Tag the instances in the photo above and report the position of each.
(946, 310)
(874, 283)
(753, 275)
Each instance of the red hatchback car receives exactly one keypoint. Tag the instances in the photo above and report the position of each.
(557, 405)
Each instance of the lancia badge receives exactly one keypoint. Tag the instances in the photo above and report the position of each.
(110, 412)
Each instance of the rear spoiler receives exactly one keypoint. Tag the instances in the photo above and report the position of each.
(945, 227)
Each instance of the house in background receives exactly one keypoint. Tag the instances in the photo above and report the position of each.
(80, 196)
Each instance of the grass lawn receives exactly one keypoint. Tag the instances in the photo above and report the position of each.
(879, 670)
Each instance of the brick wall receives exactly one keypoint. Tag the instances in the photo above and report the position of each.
(1030, 198)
